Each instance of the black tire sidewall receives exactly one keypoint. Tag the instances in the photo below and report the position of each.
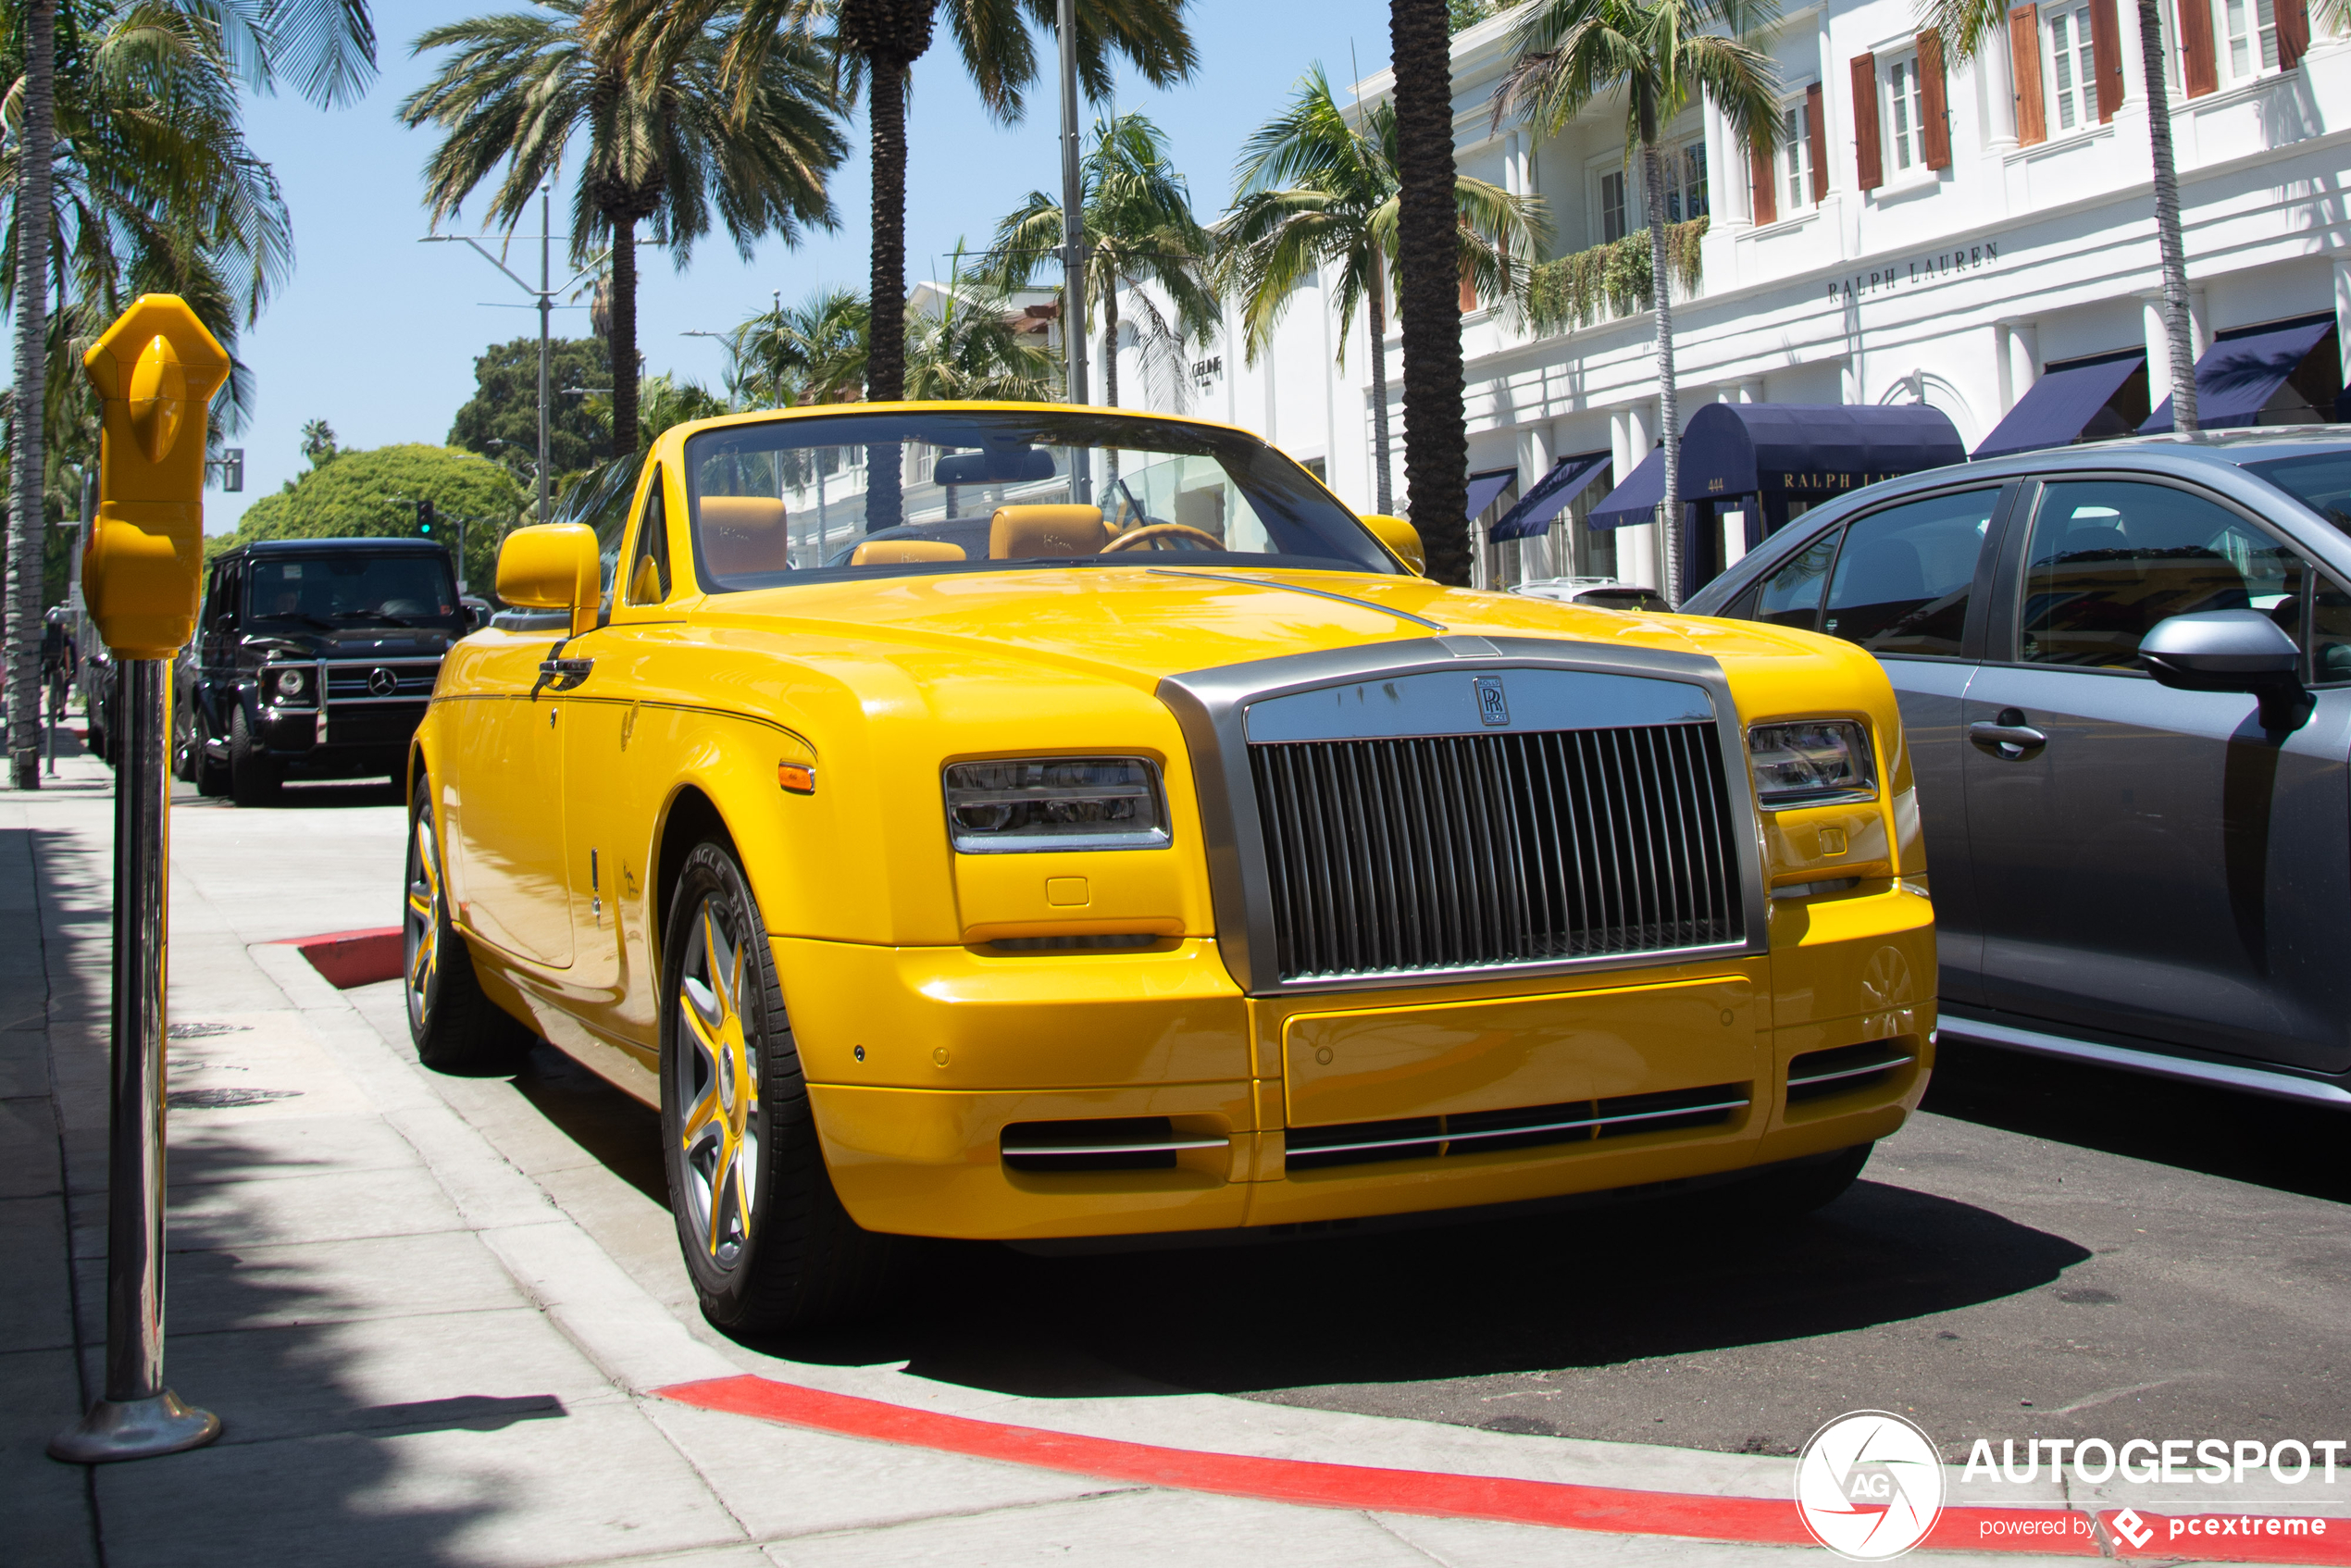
(710, 870)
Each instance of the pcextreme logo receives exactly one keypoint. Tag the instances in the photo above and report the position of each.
(1869, 1486)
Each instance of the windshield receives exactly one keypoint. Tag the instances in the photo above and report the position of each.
(2321, 482)
(341, 588)
(793, 499)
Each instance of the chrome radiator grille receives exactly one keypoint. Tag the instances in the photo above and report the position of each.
(1475, 851)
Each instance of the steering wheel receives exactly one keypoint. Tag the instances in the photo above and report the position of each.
(1162, 530)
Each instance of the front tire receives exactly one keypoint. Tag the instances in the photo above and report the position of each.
(1798, 1191)
(766, 1239)
(454, 1026)
(212, 778)
(253, 775)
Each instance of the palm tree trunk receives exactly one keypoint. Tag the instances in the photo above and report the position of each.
(623, 336)
(1429, 285)
(2167, 223)
(25, 552)
(886, 356)
(1384, 485)
(1669, 420)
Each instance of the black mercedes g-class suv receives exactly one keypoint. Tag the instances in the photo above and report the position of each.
(312, 658)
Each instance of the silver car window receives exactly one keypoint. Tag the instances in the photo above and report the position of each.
(1902, 578)
(2108, 558)
(1791, 596)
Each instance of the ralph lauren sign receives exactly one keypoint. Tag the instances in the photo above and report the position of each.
(1924, 269)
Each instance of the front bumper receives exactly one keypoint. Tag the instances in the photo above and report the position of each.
(960, 1045)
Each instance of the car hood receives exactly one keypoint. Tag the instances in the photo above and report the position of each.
(357, 643)
(1139, 626)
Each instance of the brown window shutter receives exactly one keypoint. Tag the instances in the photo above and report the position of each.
(2024, 65)
(1933, 102)
(1816, 118)
(1867, 159)
(1760, 178)
(2293, 31)
(2106, 57)
(2199, 60)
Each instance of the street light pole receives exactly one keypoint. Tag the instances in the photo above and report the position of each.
(546, 304)
(1073, 213)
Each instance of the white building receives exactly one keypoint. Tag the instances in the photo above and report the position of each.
(1950, 236)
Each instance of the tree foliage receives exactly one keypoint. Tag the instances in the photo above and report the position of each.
(373, 494)
(501, 420)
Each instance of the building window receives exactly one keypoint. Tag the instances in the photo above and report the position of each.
(1907, 110)
(2074, 92)
(2252, 27)
(1796, 155)
(1613, 224)
(1684, 181)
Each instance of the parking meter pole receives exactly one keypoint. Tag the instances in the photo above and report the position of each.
(155, 370)
(138, 1416)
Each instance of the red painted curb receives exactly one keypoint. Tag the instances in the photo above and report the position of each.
(355, 958)
(1609, 1510)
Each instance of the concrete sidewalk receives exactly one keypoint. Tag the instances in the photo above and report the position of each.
(431, 1312)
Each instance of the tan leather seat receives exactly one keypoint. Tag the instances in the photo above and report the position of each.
(743, 534)
(891, 552)
(1022, 533)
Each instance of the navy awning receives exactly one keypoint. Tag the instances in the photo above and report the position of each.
(1806, 450)
(1569, 478)
(1636, 500)
(2056, 409)
(2241, 370)
(1483, 488)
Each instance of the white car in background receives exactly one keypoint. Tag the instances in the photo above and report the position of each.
(1601, 592)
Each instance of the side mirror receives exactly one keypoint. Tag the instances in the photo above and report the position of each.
(2231, 650)
(553, 567)
(1399, 536)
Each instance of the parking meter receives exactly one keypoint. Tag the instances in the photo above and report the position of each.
(155, 370)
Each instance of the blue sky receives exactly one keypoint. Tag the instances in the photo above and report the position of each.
(376, 333)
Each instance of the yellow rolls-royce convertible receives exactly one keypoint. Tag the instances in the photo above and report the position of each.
(1033, 823)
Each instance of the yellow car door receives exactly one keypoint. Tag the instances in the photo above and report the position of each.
(508, 821)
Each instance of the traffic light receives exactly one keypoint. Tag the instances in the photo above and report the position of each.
(428, 522)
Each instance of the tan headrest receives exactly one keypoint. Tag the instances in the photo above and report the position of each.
(743, 533)
(890, 551)
(1021, 533)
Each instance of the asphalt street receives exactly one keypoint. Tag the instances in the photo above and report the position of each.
(2045, 1250)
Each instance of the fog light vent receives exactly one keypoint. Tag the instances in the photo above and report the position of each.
(1817, 1075)
(1111, 1143)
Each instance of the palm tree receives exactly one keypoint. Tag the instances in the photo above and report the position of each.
(1965, 24)
(1662, 54)
(1138, 229)
(973, 348)
(875, 45)
(1428, 284)
(814, 351)
(660, 141)
(132, 172)
(1317, 189)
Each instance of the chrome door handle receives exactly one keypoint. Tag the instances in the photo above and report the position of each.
(561, 675)
(2009, 740)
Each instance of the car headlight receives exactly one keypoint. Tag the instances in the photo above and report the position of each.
(1817, 763)
(1031, 804)
(292, 683)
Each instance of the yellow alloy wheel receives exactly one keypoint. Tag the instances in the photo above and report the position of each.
(718, 1088)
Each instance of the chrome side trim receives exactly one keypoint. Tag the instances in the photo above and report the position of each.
(2220, 1075)
(1210, 708)
(1890, 1063)
(1156, 1146)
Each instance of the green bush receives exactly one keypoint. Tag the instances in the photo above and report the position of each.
(1610, 280)
(373, 495)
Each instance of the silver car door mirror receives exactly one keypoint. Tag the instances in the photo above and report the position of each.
(2231, 650)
